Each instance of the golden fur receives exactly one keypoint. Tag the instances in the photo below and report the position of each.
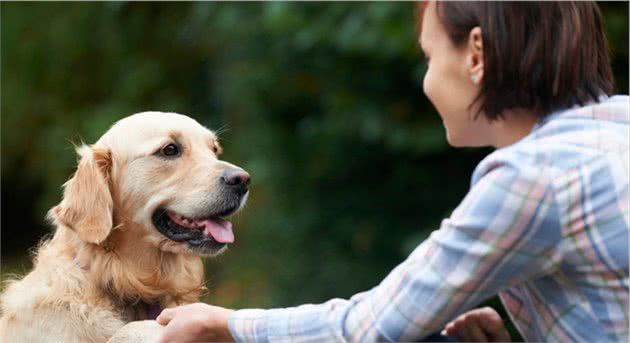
(106, 259)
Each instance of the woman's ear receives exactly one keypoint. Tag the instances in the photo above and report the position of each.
(87, 205)
(475, 56)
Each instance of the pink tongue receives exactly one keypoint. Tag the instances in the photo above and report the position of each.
(220, 229)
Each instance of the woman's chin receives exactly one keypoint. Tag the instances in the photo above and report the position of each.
(466, 141)
(455, 140)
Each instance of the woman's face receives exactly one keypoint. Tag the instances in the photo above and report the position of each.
(448, 85)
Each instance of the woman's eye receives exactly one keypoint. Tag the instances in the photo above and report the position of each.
(170, 150)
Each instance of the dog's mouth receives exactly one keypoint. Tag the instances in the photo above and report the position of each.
(209, 235)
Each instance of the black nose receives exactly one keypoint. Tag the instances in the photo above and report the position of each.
(236, 179)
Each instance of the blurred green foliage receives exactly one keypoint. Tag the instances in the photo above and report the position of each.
(320, 102)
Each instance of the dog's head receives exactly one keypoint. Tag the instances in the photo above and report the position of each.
(155, 177)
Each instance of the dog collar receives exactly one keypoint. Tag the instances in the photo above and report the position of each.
(153, 310)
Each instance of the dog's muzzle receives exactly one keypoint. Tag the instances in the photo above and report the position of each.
(208, 233)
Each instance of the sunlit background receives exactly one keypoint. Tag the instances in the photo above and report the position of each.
(321, 102)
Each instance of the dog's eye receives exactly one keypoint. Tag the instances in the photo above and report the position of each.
(170, 150)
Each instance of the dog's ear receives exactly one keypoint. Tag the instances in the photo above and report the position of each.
(87, 205)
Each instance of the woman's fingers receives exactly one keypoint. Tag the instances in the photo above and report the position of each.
(493, 325)
(165, 316)
(461, 330)
(473, 328)
(479, 325)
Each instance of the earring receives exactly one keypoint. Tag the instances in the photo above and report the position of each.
(474, 78)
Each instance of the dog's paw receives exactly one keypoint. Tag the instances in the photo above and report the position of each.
(145, 331)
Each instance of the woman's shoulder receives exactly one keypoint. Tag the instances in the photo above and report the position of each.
(516, 162)
(590, 136)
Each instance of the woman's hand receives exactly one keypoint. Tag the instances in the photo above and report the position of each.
(195, 323)
(478, 325)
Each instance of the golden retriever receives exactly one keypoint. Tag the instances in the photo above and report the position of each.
(146, 201)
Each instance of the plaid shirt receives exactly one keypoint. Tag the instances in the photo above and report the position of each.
(545, 224)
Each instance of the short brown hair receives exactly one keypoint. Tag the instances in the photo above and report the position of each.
(538, 56)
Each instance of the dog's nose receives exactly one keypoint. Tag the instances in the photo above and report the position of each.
(236, 178)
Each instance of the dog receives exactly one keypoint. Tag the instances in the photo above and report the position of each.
(147, 201)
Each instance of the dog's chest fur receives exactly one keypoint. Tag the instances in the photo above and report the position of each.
(62, 301)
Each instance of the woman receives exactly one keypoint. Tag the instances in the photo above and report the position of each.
(545, 223)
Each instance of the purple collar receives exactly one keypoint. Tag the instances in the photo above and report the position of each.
(153, 310)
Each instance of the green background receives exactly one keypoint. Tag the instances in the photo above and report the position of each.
(321, 102)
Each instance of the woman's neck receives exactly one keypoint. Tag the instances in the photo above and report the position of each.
(514, 126)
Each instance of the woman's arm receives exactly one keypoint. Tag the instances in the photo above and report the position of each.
(494, 239)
